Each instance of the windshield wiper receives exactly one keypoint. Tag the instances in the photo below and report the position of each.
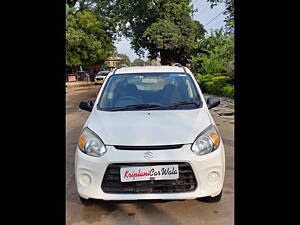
(178, 104)
(153, 106)
(135, 106)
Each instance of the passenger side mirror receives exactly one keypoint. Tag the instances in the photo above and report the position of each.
(86, 105)
(212, 102)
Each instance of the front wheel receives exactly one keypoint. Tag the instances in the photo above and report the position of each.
(211, 199)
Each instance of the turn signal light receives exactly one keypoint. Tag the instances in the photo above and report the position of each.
(82, 141)
(215, 138)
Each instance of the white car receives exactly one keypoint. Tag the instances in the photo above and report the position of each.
(100, 77)
(150, 135)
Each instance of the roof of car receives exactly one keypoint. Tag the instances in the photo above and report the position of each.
(151, 69)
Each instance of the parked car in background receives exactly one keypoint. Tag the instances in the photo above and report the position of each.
(100, 77)
(150, 135)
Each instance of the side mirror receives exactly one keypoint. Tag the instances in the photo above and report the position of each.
(212, 102)
(86, 105)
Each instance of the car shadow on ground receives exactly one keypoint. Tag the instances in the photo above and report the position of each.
(123, 212)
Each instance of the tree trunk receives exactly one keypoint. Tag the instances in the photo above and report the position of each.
(171, 57)
(164, 57)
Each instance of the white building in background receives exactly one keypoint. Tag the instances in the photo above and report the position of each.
(113, 62)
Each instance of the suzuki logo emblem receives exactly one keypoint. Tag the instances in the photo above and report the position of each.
(148, 155)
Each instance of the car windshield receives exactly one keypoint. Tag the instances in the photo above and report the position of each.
(149, 91)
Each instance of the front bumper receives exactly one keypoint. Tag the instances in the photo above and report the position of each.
(202, 166)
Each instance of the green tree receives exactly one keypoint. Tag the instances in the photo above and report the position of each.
(87, 40)
(148, 63)
(141, 62)
(138, 62)
(215, 54)
(163, 27)
(229, 12)
(71, 3)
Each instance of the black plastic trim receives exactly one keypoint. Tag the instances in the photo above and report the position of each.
(155, 147)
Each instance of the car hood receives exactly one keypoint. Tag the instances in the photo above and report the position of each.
(153, 127)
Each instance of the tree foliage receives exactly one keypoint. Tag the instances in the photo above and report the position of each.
(141, 62)
(215, 54)
(88, 39)
(229, 12)
(163, 27)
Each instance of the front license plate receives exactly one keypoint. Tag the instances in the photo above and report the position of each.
(140, 173)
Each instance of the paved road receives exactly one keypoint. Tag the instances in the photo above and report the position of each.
(187, 212)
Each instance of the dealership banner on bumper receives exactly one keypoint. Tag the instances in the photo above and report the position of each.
(162, 172)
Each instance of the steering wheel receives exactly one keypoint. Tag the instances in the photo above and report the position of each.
(128, 98)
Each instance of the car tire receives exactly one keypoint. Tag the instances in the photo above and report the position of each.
(85, 201)
(211, 199)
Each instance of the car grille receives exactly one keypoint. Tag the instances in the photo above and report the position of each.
(155, 147)
(112, 182)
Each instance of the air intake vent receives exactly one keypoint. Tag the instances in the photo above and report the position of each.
(157, 147)
(112, 183)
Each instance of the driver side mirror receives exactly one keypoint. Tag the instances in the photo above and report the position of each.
(86, 105)
(212, 102)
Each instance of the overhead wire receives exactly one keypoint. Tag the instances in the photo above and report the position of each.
(214, 17)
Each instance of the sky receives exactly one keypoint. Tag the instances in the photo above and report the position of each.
(204, 15)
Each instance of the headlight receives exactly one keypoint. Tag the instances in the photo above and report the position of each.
(91, 144)
(207, 141)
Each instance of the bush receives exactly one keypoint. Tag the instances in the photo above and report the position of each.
(217, 85)
(206, 78)
(228, 91)
(220, 79)
(202, 80)
(210, 87)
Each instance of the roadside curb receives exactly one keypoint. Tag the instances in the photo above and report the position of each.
(79, 84)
